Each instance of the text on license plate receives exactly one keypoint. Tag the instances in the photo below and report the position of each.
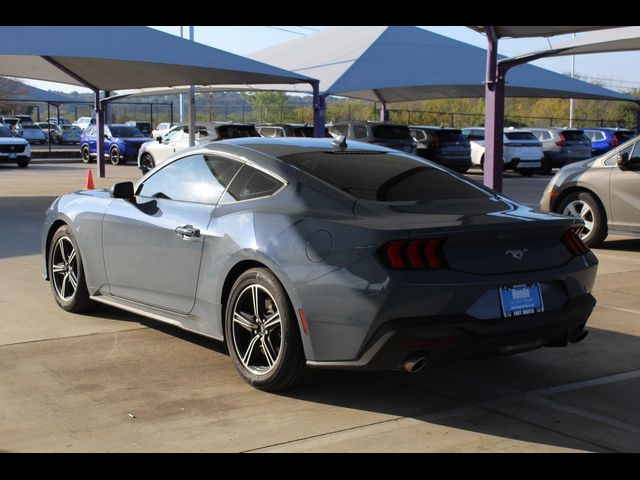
(521, 300)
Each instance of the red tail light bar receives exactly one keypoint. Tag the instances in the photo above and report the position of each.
(414, 254)
(573, 242)
(563, 140)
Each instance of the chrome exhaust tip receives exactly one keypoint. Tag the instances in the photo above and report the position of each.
(415, 363)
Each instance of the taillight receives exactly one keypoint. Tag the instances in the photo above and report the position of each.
(563, 140)
(414, 254)
(434, 141)
(615, 142)
(573, 242)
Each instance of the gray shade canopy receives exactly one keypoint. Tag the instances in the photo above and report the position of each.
(524, 31)
(395, 64)
(111, 58)
(614, 40)
(26, 93)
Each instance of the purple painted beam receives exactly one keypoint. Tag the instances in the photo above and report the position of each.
(493, 116)
(319, 110)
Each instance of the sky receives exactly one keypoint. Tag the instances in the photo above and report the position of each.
(613, 70)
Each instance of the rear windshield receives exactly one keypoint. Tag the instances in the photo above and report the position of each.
(450, 136)
(303, 131)
(520, 136)
(125, 131)
(391, 132)
(237, 131)
(384, 177)
(572, 135)
(623, 136)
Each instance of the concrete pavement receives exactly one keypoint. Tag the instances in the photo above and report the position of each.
(111, 381)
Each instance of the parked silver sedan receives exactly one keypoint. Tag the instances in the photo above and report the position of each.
(603, 191)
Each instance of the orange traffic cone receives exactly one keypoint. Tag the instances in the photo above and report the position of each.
(90, 185)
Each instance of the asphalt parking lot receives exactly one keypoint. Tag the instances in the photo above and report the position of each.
(112, 381)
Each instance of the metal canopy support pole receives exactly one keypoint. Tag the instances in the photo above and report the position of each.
(107, 109)
(319, 110)
(192, 106)
(493, 115)
(49, 124)
(384, 113)
(638, 117)
(99, 113)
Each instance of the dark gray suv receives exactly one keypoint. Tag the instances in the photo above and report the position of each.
(446, 146)
(386, 134)
(562, 146)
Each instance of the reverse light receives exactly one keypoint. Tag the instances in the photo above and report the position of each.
(573, 242)
(414, 254)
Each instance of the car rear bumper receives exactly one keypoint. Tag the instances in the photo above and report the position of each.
(347, 315)
(447, 339)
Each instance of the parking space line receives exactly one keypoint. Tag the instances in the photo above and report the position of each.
(621, 309)
(612, 422)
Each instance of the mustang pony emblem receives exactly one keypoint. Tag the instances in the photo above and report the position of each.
(517, 254)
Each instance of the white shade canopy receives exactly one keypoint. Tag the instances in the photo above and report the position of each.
(394, 64)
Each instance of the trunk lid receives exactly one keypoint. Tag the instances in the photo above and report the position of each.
(491, 237)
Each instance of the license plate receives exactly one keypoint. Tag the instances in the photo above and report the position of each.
(13, 155)
(521, 300)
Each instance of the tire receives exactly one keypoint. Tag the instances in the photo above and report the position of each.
(147, 163)
(65, 268)
(252, 344)
(23, 162)
(114, 156)
(462, 170)
(86, 154)
(525, 172)
(583, 205)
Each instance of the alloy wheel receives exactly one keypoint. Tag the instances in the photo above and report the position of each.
(65, 268)
(580, 209)
(257, 329)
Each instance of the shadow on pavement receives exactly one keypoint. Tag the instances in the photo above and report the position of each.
(22, 219)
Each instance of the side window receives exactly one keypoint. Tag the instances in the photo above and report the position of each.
(192, 179)
(359, 131)
(267, 132)
(612, 160)
(251, 183)
(339, 129)
(544, 135)
(279, 132)
(636, 150)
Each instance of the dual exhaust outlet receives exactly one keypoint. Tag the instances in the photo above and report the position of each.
(414, 363)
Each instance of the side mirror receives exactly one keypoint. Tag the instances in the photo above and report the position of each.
(159, 139)
(633, 164)
(622, 159)
(122, 190)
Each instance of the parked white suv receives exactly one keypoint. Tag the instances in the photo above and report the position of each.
(522, 151)
(83, 122)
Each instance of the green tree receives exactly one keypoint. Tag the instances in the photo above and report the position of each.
(269, 106)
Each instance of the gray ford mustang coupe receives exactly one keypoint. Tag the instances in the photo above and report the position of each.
(304, 253)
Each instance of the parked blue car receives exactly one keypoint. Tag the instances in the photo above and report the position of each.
(121, 143)
(604, 139)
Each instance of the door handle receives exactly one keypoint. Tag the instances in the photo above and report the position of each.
(187, 231)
